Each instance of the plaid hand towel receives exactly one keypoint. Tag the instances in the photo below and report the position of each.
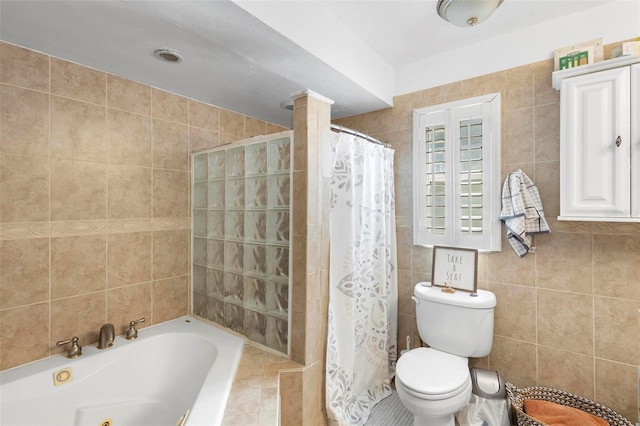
(522, 211)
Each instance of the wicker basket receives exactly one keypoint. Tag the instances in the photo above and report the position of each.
(517, 397)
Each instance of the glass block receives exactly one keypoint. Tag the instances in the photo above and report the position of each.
(234, 162)
(233, 257)
(277, 332)
(278, 263)
(215, 310)
(199, 279)
(215, 223)
(255, 326)
(215, 253)
(255, 160)
(216, 164)
(278, 227)
(234, 193)
(279, 155)
(256, 193)
(277, 298)
(200, 223)
(234, 225)
(234, 317)
(255, 260)
(255, 294)
(200, 251)
(233, 288)
(215, 283)
(200, 167)
(255, 226)
(215, 195)
(278, 187)
(200, 195)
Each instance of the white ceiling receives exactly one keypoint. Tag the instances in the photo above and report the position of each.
(250, 56)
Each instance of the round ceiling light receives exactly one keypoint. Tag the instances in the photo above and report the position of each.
(467, 13)
(168, 55)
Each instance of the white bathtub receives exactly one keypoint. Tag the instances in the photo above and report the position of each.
(180, 365)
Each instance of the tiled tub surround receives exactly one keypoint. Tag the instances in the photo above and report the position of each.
(94, 200)
(241, 227)
(566, 315)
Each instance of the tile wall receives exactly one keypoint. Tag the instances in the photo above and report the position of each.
(567, 315)
(94, 200)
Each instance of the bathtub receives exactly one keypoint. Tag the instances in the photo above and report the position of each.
(180, 366)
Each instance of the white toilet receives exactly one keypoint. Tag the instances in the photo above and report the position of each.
(434, 383)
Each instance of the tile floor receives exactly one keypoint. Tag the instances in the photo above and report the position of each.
(254, 395)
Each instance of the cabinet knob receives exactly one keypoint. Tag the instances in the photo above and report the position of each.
(618, 141)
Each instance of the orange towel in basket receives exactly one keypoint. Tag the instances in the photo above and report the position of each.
(554, 414)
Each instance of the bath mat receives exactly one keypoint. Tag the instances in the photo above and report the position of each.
(390, 411)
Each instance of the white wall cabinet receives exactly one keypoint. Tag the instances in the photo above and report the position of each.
(600, 141)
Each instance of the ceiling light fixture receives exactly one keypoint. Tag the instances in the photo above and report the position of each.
(168, 55)
(467, 13)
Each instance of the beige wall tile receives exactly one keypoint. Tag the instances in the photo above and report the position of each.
(170, 145)
(170, 107)
(25, 334)
(128, 95)
(515, 360)
(617, 387)
(515, 312)
(506, 267)
(25, 188)
(547, 179)
(254, 127)
(547, 132)
(80, 316)
(129, 192)
(78, 265)
(203, 115)
(614, 318)
(170, 193)
(519, 88)
(24, 272)
(78, 130)
(200, 139)
(275, 128)
(78, 190)
(517, 139)
(231, 123)
(24, 121)
(543, 91)
(616, 259)
(567, 371)
(565, 321)
(564, 263)
(128, 138)
(170, 253)
(23, 67)
(170, 298)
(129, 259)
(126, 304)
(78, 82)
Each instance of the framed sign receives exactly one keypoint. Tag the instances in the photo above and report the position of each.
(455, 268)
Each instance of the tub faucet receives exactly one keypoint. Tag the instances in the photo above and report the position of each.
(107, 334)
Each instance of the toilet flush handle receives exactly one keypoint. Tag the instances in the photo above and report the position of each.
(416, 300)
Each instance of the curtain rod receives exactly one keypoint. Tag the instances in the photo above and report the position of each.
(342, 129)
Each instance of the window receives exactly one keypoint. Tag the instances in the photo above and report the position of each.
(456, 196)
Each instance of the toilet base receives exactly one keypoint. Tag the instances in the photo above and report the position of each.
(434, 421)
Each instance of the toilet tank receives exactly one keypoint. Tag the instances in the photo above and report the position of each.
(458, 323)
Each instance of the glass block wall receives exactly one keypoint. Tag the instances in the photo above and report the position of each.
(241, 208)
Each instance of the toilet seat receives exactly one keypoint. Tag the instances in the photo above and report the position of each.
(427, 373)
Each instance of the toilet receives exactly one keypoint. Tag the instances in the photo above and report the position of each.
(434, 382)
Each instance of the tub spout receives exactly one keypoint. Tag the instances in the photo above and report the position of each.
(107, 334)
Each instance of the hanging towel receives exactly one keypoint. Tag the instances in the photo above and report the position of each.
(522, 211)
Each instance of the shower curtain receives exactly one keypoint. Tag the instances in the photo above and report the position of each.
(362, 324)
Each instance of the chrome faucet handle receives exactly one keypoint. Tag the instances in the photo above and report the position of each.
(75, 350)
(132, 332)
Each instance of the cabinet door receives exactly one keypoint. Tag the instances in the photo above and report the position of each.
(595, 145)
(635, 140)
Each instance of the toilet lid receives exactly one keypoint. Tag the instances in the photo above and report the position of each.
(431, 372)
